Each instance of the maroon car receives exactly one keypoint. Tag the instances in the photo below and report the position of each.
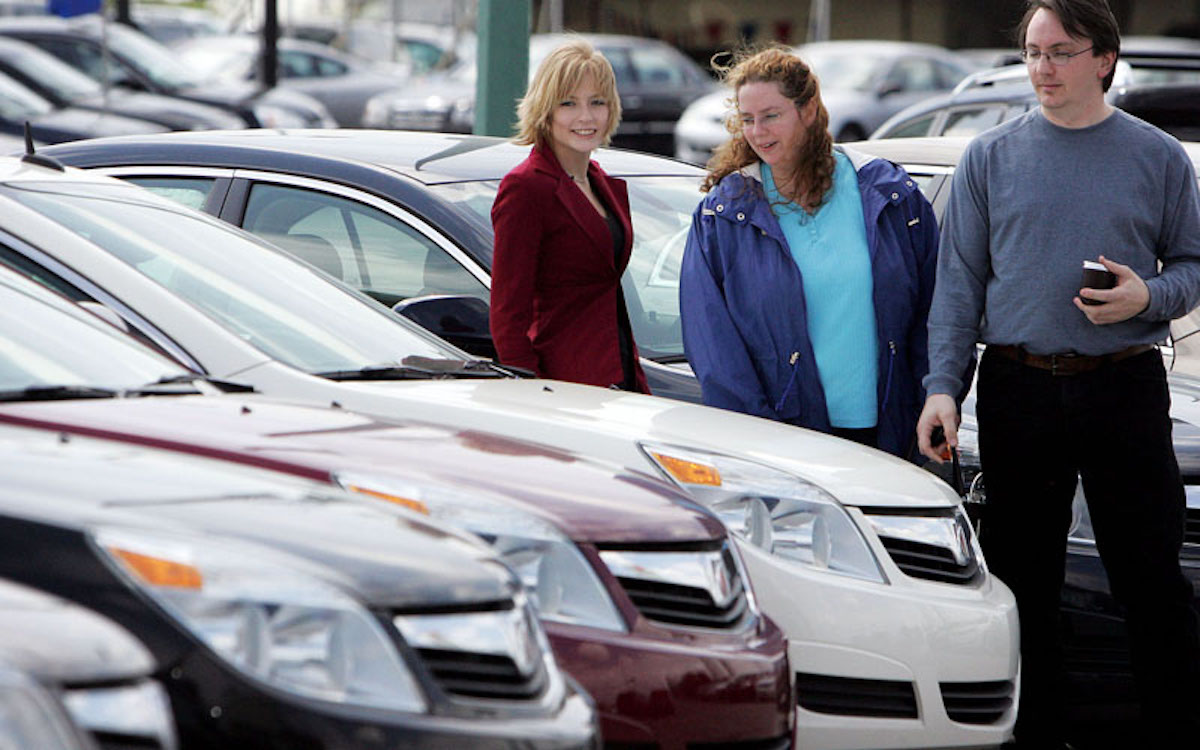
(642, 594)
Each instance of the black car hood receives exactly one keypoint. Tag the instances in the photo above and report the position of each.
(60, 643)
(385, 557)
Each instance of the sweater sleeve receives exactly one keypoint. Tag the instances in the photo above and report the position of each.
(711, 340)
(517, 225)
(1176, 289)
(960, 290)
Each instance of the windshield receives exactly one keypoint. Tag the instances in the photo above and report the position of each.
(843, 70)
(150, 58)
(42, 344)
(662, 214)
(218, 58)
(66, 83)
(284, 307)
(18, 102)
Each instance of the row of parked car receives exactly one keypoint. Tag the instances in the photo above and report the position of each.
(707, 578)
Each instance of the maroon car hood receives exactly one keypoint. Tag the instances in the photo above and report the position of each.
(590, 501)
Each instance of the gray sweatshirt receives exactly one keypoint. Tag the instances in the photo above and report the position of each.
(1031, 201)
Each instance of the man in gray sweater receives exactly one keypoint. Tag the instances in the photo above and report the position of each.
(1070, 383)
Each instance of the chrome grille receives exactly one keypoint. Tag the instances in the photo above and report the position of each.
(1191, 534)
(934, 545)
(848, 696)
(701, 589)
(499, 654)
(977, 702)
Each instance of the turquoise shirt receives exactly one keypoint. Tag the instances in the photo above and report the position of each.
(830, 249)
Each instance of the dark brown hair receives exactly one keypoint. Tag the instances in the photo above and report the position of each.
(779, 65)
(1083, 19)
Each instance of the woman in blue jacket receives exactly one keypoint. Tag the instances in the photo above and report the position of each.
(809, 269)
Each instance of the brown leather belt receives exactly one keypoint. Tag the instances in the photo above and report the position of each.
(1066, 364)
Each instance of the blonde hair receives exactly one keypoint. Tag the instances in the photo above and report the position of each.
(559, 74)
(777, 64)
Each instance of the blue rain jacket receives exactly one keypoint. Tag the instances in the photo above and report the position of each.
(745, 330)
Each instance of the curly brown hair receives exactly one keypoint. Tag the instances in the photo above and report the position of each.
(796, 80)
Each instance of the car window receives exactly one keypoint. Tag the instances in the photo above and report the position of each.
(656, 66)
(914, 74)
(973, 120)
(359, 244)
(915, 128)
(948, 75)
(661, 210)
(81, 55)
(190, 191)
(260, 294)
(623, 66)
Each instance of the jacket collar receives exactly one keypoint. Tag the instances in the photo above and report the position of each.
(581, 210)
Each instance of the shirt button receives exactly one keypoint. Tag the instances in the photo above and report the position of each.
(720, 207)
(895, 196)
(908, 183)
(741, 216)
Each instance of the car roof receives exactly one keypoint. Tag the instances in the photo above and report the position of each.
(429, 158)
(946, 151)
(935, 152)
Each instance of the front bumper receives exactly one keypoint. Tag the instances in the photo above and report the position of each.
(683, 689)
(907, 664)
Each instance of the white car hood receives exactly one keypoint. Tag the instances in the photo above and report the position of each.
(609, 424)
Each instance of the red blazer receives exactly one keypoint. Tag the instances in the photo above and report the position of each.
(554, 283)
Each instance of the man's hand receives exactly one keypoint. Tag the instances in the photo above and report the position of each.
(1125, 300)
(939, 411)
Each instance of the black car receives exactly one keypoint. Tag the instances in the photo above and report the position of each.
(406, 218)
(64, 86)
(655, 81)
(72, 679)
(282, 614)
(134, 60)
(990, 97)
(50, 124)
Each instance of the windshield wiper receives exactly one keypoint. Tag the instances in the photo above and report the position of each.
(57, 393)
(429, 368)
(184, 384)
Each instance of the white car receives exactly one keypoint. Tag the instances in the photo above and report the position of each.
(899, 636)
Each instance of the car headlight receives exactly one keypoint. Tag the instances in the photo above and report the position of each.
(561, 583)
(781, 513)
(140, 712)
(270, 621)
(272, 116)
(30, 717)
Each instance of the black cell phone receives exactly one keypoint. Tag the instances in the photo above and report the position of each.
(938, 436)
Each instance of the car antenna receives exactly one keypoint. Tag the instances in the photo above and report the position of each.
(33, 158)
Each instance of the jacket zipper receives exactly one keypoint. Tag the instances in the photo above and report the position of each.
(791, 381)
(887, 386)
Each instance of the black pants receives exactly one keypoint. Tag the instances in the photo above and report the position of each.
(1037, 432)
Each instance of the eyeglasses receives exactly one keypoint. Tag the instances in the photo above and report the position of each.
(1034, 56)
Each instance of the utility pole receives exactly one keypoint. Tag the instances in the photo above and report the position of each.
(503, 62)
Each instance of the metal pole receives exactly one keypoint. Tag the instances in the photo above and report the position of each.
(270, 45)
(556, 16)
(503, 70)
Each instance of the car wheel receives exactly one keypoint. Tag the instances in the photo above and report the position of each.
(851, 132)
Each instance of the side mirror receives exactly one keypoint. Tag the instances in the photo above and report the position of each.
(457, 318)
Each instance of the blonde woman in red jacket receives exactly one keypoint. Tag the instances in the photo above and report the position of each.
(563, 233)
